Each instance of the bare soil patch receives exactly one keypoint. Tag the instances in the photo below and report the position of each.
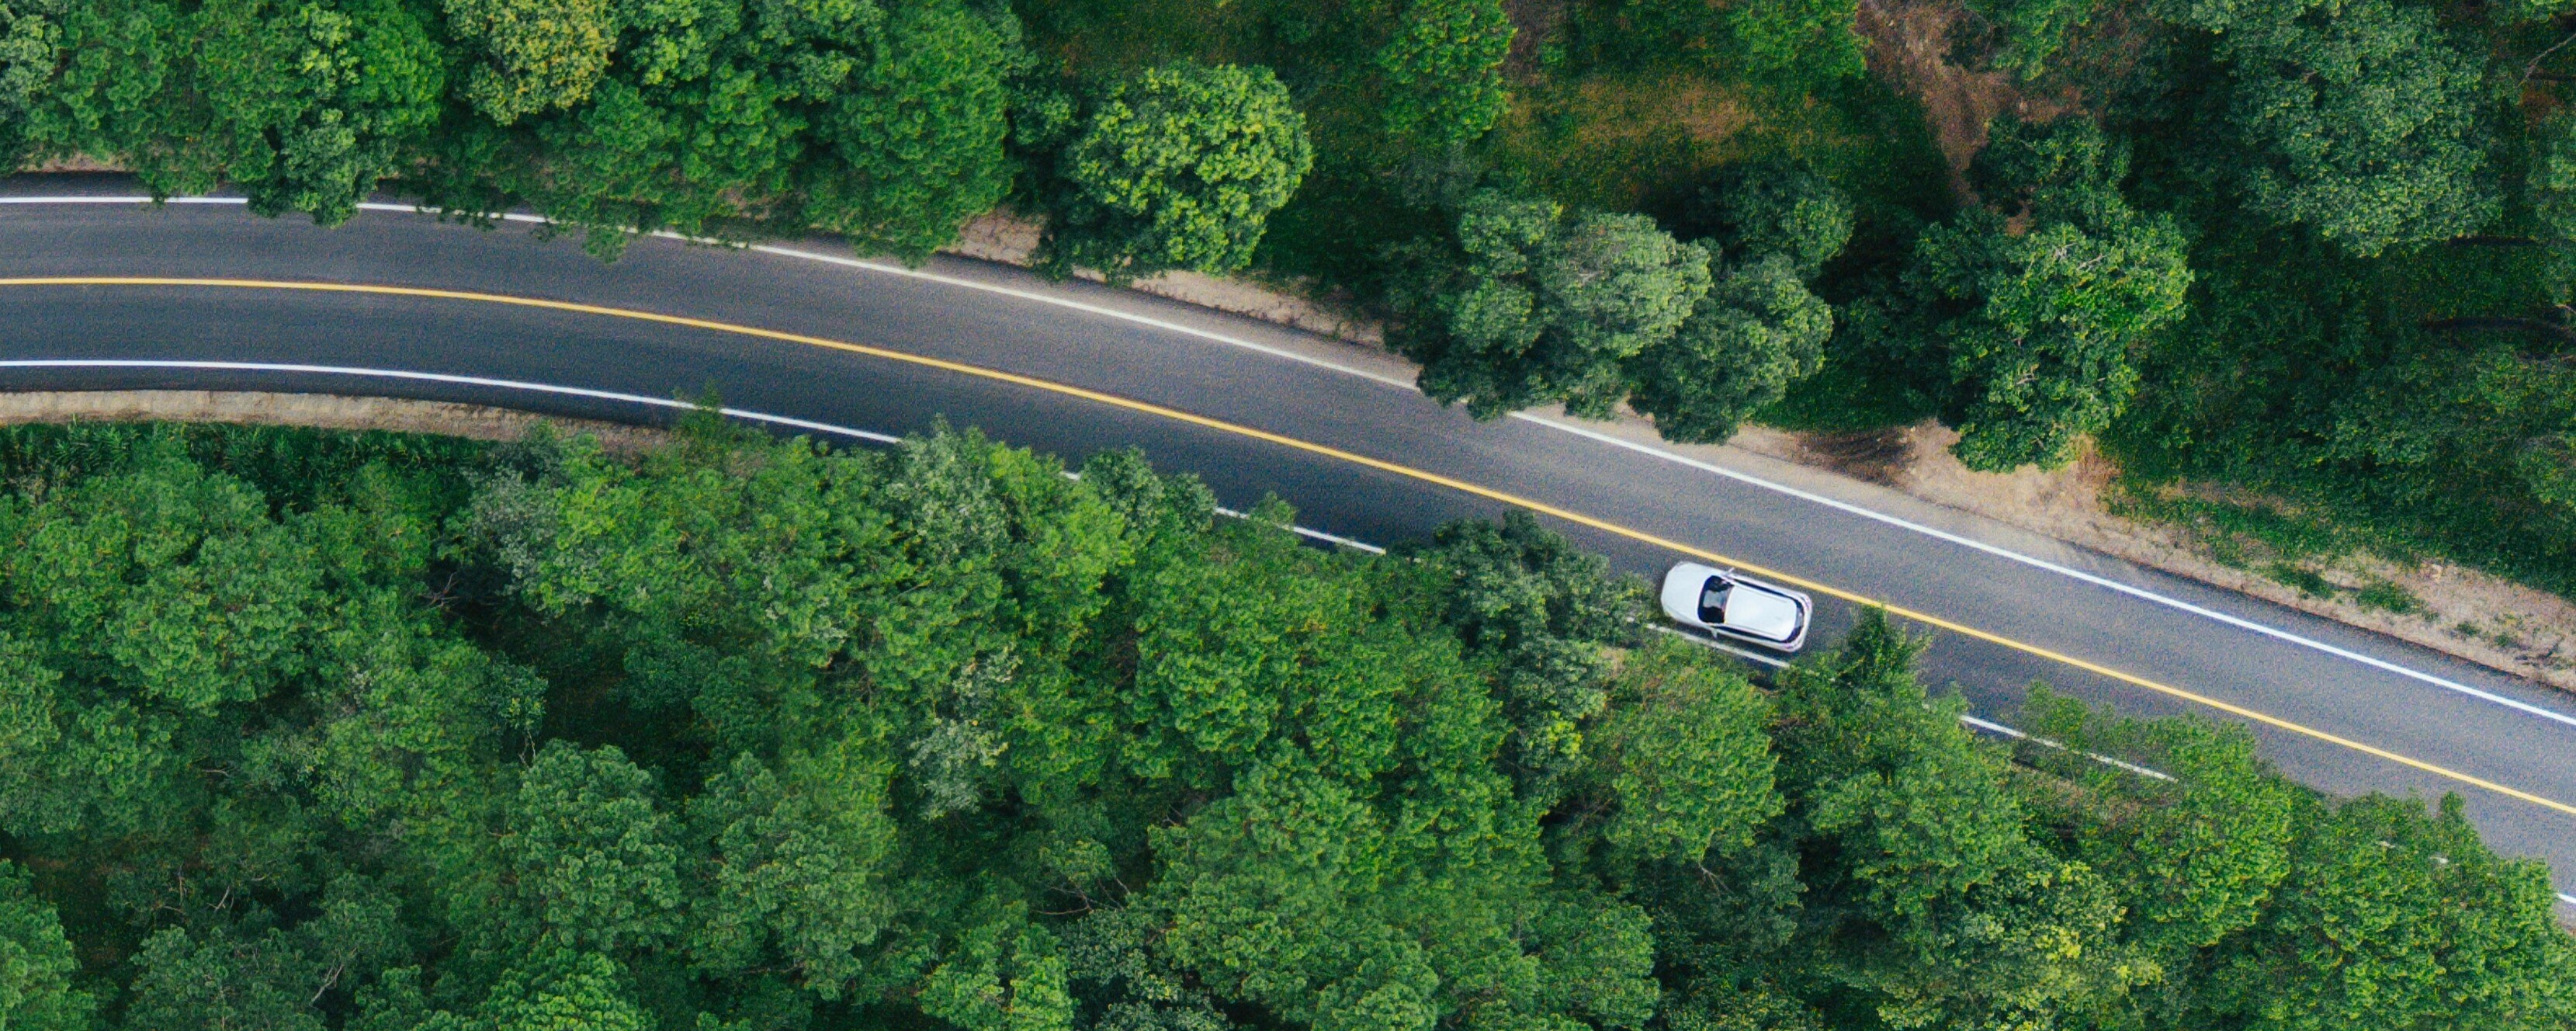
(1909, 45)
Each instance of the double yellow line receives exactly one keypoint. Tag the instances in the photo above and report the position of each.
(1336, 454)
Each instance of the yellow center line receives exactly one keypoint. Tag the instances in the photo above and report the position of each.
(1337, 454)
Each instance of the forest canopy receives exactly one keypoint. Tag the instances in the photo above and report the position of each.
(306, 730)
(2309, 252)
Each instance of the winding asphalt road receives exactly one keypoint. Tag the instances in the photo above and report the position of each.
(1254, 409)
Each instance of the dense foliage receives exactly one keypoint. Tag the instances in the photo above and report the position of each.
(311, 731)
(2319, 248)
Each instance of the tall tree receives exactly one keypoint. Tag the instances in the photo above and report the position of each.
(1525, 305)
(586, 858)
(36, 962)
(1799, 42)
(1175, 167)
(2044, 320)
(1957, 917)
(883, 125)
(2358, 118)
(1759, 209)
(1756, 332)
(1444, 71)
(305, 106)
(2402, 919)
(30, 32)
(1683, 758)
(556, 989)
(224, 979)
(538, 55)
(915, 141)
(798, 870)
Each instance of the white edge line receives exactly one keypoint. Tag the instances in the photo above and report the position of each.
(2140, 593)
(1310, 533)
(437, 377)
(833, 259)
(545, 388)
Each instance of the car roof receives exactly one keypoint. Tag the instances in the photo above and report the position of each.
(1762, 610)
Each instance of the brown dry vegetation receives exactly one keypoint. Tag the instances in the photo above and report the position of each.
(1909, 46)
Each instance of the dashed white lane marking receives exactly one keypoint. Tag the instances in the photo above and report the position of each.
(1748, 479)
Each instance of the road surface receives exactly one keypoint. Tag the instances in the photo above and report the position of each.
(1254, 409)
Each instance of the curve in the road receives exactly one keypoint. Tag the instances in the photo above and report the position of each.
(1335, 454)
(1166, 325)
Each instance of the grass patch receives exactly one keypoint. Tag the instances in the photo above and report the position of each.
(2388, 597)
(1845, 399)
(2249, 531)
(2299, 577)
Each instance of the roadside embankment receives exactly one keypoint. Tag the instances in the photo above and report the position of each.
(2451, 609)
(318, 411)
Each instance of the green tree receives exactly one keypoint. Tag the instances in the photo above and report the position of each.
(557, 989)
(1176, 167)
(882, 125)
(2046, 319)
(1444, 71)
(2032, 31)
(949, 736)
(537, 55)
(184, 982)
(304, 106)
(2197, 852)
(798, 873)
(1684, 756)
(915, 140)
(2044, 356)
(1760, 209)
(1530, 306)
(2400, 919)
(1756, 332)
(149, 605)
(2358, 118)
(36, 962)
(592, 861)
(1004, 974)
(2061, 166)
(2550, 184)
(1957, 917)
(1802, 42)
(1541, 619)
(29, 36)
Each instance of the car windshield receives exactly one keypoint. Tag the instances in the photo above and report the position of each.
(1712, 600)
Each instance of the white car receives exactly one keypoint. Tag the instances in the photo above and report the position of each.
(1729, 604)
